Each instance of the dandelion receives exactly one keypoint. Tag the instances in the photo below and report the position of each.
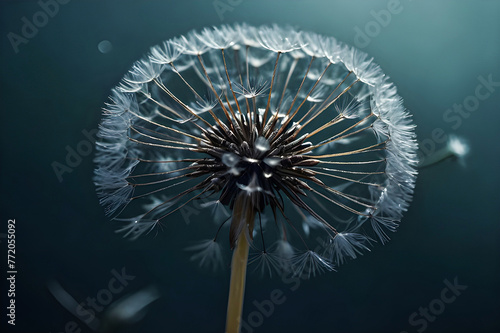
(300, 137)
(456, 147)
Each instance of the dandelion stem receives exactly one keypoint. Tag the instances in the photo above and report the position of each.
(243, 212)
(237, 288)
(435, 158)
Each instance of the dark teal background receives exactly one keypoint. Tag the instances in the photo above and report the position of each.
(55, 86)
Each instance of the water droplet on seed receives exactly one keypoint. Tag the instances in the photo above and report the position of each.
(272, 161)
(230, 159)
(105, 46)
(262, 144)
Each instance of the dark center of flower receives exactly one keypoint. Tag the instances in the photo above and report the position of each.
(262, 163)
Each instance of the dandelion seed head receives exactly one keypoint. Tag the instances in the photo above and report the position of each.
(309, 130)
